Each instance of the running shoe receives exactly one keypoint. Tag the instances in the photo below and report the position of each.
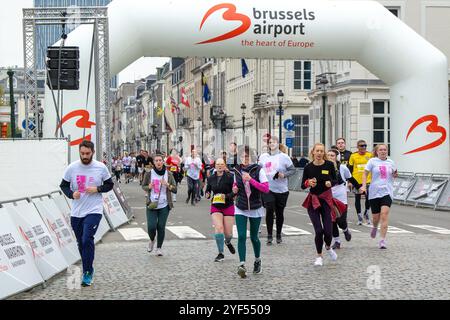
(348, 235)
(87, 279)
(360, 219)
(279, 240)
(231, 248)
(373, 233)
(333, 255)
(269, 240)
(159, 252)
(257, 267)
(336, 245)
(151, 244)
(318, 262)
(219, 257)
(382, 244)
(242, 271)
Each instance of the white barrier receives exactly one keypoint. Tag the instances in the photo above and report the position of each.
(123, 201)
(113, 210)
(59, 229)
(41, 163)
(18, 271)
(46, 253)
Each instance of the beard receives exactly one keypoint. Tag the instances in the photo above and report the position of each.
(86, 160)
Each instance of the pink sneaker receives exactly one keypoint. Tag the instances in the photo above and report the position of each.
(382, 244)
(373, 233)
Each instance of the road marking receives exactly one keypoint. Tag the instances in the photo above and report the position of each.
(293, 231)
(185, 232)
(431, 228)
(391, 229)
(352, 230)
(133, 234)
(235, 232)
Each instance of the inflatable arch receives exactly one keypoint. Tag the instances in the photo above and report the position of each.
(349, 30)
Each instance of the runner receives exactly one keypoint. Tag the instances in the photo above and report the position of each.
(219, 189)
(117, 168)
(133, 167)
(193, 165)
(340, 192)
(232, 161)
(344, 154)
(278, 167)
(173, 163)
(320, 175)
(381, 191)
(356, 164)
(159, 184)
(250, 182)
(84, 181)
(126, 161)
(140, 166)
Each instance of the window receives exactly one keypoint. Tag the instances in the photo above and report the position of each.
(301, 139)
(381, 123)
(302, 75)
(394, 10)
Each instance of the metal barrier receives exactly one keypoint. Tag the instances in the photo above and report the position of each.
(417, 189)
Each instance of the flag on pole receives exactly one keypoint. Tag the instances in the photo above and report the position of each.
(173, 104)
(206, 92)
(159, 111)
(184, 99)
(244, 68)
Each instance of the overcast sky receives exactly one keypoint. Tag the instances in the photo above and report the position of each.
(11, 43)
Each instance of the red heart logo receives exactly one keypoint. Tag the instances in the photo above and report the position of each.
(229, 15)
(433, 127)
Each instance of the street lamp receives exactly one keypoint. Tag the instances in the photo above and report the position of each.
(243, 107)
(323, 81)
(280, 96)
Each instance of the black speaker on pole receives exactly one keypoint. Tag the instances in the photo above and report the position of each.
(66, 60)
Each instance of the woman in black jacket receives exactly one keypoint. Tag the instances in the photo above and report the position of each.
(220, 190)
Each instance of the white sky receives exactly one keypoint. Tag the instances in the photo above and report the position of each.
(11, 44)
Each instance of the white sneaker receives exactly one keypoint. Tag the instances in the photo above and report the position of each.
(151, 244)
(333, 254)
(318, 262)
(159, 252)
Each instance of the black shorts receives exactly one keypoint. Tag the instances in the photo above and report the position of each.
(276, 200)
(377, 203)
(126, 169)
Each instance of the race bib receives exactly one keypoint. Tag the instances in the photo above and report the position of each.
(173, 169)
(219, 198)
(325, 172)
(361, 167)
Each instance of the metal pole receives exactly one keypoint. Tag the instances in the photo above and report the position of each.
(12, 103)
(280, 108)
(202, 127)
(324, 100)
(243, 130)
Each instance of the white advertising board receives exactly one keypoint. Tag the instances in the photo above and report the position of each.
(59, 229)
(113, 210)
(46, 253)
(18, 271)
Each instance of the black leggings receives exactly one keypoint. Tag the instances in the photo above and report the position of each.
(276, 206)
(321, 220)
(358, 201)
(341, 222)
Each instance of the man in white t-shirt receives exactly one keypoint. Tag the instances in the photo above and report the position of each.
(193, 165)
(84, 181)
(126, 161)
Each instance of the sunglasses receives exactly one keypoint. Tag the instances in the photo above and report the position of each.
(363, 145)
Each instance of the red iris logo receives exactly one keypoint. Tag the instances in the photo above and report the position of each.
(433, 127)
(229, 15)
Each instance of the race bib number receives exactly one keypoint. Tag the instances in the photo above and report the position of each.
(361, 167)
(173, 169)
(325, 172)
(219, 199)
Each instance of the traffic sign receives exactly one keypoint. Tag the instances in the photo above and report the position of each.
(30, 124)
(290, 142)
(278, 112)
(289, 124)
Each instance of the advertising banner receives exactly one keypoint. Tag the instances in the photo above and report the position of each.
(444, 202)
(123, 201)
(403, 185)
(427, 190)
(113, 210)
(18, 271)
(46, 253)
(59, 229)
